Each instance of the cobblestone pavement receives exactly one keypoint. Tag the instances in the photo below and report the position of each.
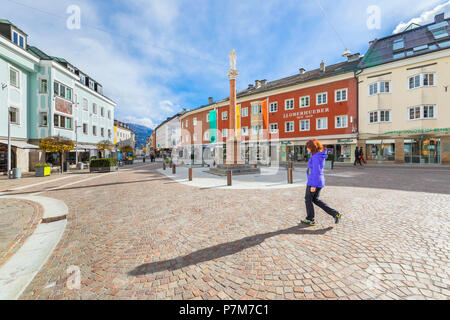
(139, 235)
(18, 219)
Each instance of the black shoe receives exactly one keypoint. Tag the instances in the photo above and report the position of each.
(337, 218)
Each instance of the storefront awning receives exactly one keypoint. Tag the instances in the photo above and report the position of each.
(85, 147)
(20, 144)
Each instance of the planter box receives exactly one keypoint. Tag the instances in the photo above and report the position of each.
(43, 171)
(104, 169)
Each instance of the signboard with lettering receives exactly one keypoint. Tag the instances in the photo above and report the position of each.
(63, 106)
(419, 131)
(306, 114)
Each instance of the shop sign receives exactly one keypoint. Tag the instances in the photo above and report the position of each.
(307, 114)
(345, 141)
(419, 131)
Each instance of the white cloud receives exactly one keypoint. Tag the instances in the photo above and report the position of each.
(426, 17)
(141, 121)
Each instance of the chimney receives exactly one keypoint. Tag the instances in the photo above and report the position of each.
(353, 57)
(257, 84)
(322, 66)
(263, 82)
(439, 17)
(210, 100)
(250, 86)
(302, 70)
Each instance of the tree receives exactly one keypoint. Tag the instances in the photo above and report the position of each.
(57, 144)
(103, 146)
(126, 149)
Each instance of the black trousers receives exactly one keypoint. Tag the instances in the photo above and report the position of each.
(311, 199)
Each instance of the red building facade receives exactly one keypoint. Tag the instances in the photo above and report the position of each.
(318, 104)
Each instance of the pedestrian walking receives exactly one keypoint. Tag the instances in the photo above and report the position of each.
(357, 157)
(361, 156)
(316, 182)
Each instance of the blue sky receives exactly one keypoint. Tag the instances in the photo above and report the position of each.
(156, 57)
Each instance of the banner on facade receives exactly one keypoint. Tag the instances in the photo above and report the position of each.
(265, 113)
(212, 126)
(63, 106)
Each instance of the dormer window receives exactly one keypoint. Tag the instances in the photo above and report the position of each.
(71, 69)
(18, 39)
(82, 79)
(398, 44)
(91, 84)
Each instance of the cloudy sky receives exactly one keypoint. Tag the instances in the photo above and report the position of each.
(156, 57)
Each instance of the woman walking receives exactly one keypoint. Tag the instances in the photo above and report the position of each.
(316, 182)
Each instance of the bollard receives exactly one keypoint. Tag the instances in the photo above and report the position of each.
(291, 165)
(174, 169)
(190, 174)
(229, 177)
(164, 166)
(290, 176)
(255, 166)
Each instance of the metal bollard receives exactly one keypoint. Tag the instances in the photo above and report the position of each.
(229, 178)
(174, 169)
(190, 174)
(290, 176)
(164, 166)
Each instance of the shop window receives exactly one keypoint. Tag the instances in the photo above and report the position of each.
(381, 151)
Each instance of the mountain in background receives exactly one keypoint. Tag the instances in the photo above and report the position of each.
(142, 133)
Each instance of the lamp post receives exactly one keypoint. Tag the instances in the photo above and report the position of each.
(76, 142)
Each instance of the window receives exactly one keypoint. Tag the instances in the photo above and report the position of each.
(245, 131)
(62, 122)
(69, 94)
(85, 105)
(380, 87)
(195, 137)
(341, 95)
(341, 122)
(321, 98)
(187, 123)
(398, 44)
(102, 132)
(14, 115)
(304, 125)
(421, 80)
(304, 102)
(109, 114)
(206, 136)
(273, 107)
(422, 112)
(43, 119)
(256, 130)
(94, 108)
(195, 121)
(207, 117)
(257, 109)
(274, 128)
(94, 130)
(289, 104)
(85, 128)
(43, 86)
(18, 39)
(91, 84)
(224, 133)
(379, 116)
(109, 133)
(289, 126)
(322, 124)
(225, 115)
(245, 112)
(14, 77)
(102, 111)
(62, 91)
(15, 37)
(21, 42)
(82, 79)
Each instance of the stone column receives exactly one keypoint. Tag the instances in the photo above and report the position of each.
(399, 150)
(233, 143)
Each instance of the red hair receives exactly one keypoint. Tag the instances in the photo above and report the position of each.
(315, 146)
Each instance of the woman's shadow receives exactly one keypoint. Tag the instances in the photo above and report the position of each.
(218, 251)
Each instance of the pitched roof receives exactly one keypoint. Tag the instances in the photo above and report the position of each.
(4, 21)
(417, 41)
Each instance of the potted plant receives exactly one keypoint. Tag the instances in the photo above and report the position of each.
(43, 170)
(103, 165)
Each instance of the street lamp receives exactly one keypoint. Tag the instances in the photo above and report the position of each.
(76, 142)
(4, 86)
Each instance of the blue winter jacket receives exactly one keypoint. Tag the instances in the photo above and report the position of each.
(316, 178)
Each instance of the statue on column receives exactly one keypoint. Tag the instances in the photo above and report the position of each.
(232, 57)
